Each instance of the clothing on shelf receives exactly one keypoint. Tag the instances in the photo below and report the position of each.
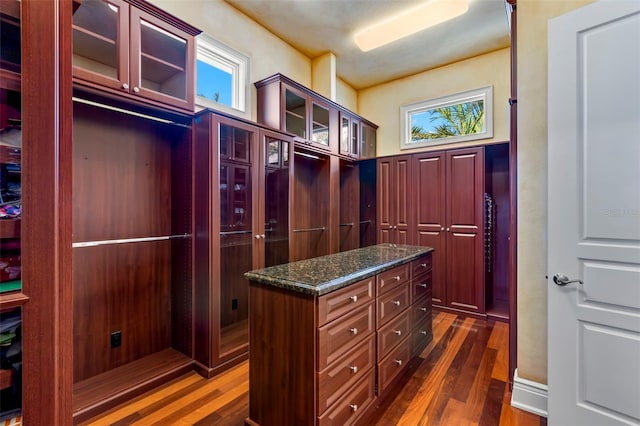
(489, 231)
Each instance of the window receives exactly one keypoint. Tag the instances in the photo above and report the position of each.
(460, 117)
(222, 76)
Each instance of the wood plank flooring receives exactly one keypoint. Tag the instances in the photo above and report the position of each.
(461, 378)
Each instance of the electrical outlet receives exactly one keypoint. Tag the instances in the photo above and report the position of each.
(116, 339)
(234, 304)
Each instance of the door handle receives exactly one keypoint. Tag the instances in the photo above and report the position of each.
(562, 280)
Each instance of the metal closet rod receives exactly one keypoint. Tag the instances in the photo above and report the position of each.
(129, 240)
(322, 228)
(128, 112)
(223, 233)
(347, 224)
(304, 154)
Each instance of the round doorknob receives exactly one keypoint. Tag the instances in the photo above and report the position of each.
(136, 89)
(125, 86)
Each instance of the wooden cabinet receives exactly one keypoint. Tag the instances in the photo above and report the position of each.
(133, 49)
(368, 140)
(449, 216)
(241, 223)
(357, 137)
(337, 352)
(394, 199)
(286, 105)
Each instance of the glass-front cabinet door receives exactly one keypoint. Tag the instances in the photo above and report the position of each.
(100, 43)
(320, 125)
(295, 113)
(161, 68)
(236, 215)
(276, 200)
(11, 172)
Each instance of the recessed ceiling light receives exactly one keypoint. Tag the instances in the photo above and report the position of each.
(409, 22)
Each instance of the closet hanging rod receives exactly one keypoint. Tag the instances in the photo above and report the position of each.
(223, 233)
(128, 240)
(323, 228)
(347, 224)
(304, 154)
(128, 112)
(362, 222)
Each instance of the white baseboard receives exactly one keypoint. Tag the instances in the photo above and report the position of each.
(529, 395)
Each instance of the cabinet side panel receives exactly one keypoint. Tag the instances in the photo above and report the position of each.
(281, 360)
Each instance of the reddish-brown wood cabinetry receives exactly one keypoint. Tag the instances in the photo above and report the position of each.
(394, 200)
(133, 49)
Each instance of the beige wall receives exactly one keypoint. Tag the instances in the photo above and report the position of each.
(346, 95)
(268, 54)
(532, 182)
(381, 104)
(323, 75)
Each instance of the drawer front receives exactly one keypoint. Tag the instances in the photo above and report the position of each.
(339, 376)
(421, 265)
(393, 365)
(339, 336)
(388, 280)
(339, 302)
(420, 337)
(421, 286)
(421, 310)
(392, 303)
(393, 333)
(352, 404)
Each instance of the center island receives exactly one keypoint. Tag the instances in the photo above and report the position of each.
(329, 336)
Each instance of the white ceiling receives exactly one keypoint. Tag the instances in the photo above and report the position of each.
(316, 27)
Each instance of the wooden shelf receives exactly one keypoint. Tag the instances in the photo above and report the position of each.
(6, 379)
(113, 387)
(10, 228)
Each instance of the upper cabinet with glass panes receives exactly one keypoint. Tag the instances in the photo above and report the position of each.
(136, 50)
(315, 120)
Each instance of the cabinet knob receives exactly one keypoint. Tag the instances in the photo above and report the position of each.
(423, 309)
(258, 236)
(125, 86)
(398, 361)
(423, 332)
(397, 278)
(423, 285)
(442, 229)
(396, 302)
(448, 229)
(354, 407)
(398, 332)
(353, 331)
(354, 298)
(424, 265)
(262, 236)
(353, 368)
(136, 89)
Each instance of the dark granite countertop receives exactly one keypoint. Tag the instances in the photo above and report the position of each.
(325, 274)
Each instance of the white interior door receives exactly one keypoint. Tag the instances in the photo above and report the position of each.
(594, 215)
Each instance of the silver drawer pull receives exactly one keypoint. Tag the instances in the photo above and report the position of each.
(354, 407)
(353, 368)
(354, 298)
(423, 309)
(397, 278)
(396, 302)
(398, 361)
(353, 331)
(398, 332)
(424, 265)
(423, 285)
(423, 332)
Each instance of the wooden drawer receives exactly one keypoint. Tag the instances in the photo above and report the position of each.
(393, 333)
(340, 375)
(338, 337)
(352, 404)
(388, 280)
(392, 303)
(393, 365)
(421, 265)
(339, 302)
(420, 337)
(421, 286)
(421, 310)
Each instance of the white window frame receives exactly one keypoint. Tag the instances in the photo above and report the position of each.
(484, 94)
(226, 58)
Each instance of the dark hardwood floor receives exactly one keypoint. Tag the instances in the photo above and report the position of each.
(461, 378)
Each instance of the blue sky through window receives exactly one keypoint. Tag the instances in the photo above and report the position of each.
(212, 80)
